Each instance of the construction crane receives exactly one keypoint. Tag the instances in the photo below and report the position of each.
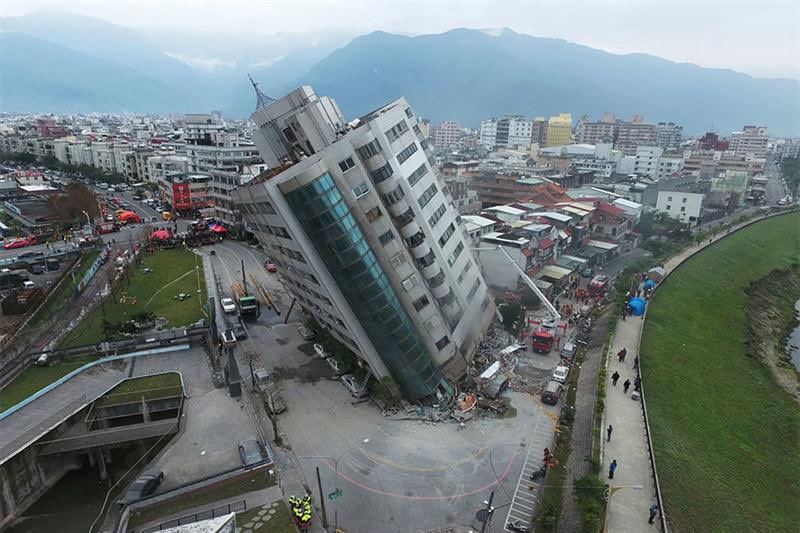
(543, 337)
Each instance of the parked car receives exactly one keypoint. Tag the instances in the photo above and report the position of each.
(568, 351)
(30, 254)
(271, 267)
(307, 333)
(587, 273)
(252, 452)
(228, 305)
(552, 392)
(239, 330)
(144, 486)
(353, 386)
(320, 351)
(20, 243)
(561, 373)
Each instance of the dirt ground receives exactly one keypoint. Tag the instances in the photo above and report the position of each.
(772, 317)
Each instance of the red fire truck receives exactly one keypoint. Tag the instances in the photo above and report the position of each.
(542, 340)
(598, 286)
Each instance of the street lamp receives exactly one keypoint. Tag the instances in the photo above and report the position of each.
(608, 494)
(335, 480)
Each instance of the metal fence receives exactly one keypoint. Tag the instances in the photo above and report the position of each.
(222, 510)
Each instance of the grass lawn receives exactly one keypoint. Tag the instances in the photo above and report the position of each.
(67, 289)
(173, 272)
(34, 379)
(725, 434)
(257, 480)
(165, 385)
(258, 521)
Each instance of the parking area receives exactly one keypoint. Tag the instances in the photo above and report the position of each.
(213, 423)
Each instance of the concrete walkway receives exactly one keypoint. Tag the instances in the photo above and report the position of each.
(633, 487)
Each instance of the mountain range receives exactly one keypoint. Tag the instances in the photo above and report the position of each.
(61, 62)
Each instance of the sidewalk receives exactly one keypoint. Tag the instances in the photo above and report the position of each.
(633, 487)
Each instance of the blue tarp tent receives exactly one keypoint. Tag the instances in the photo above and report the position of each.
(637, 305)
(649, 284)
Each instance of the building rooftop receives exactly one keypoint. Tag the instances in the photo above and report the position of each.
(507, 209)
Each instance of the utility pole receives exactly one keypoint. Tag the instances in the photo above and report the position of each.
(322, 501)
(244, 279)
(489, 511)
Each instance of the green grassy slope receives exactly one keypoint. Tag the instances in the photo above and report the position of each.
(726, 436)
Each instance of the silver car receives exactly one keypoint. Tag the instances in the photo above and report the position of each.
(353, 386)
(252, 452)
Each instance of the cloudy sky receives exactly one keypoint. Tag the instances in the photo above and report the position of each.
(761, 38)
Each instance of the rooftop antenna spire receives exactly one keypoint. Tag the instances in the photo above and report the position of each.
(262, 100)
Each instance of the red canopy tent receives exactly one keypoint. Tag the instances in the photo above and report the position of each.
(129, 216)
(160, 235)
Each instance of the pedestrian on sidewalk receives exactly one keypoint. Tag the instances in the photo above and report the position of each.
(615, 378)
(621, 354)
(608, 432)
(636, 362)
(637, 384)
(653, 512)
(611, 468)
(626, 385)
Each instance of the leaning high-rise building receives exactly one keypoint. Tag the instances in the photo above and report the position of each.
(363, 228)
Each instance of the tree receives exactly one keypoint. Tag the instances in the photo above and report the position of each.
(70, 205)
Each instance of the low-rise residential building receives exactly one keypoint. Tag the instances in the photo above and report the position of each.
(684, 206)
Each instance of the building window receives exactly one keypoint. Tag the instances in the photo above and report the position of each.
(440, 211)
(410, 282)
(441, 343)
(397, 130)
(398, 259)
(684, 200)
(369, 149)
(454, 256)
(409, 113)
(683, 209)
(669, 198)
(360, 190)
(289, 134)
(669, 208)
(407, 152)
(417, 174)
(426, 196)
(392, 197)
(382, 173)
(474, 289)
(386, 238)
(431, 324)
(421, 303)
(373, 214)
(447, 234)
(347, 164)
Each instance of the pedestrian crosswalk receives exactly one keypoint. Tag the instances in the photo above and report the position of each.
(526, 495)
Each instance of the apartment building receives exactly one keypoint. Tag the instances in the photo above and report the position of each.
(359, 220)
(751, 142)
(186, 193)
(669, 136)
(219, 151)
(559, 130)
(646, 160)
(447, 135)
(633, 134)
(600, 132)
(685, 206)
(513, 131)
(539, 132)
(487, 137)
